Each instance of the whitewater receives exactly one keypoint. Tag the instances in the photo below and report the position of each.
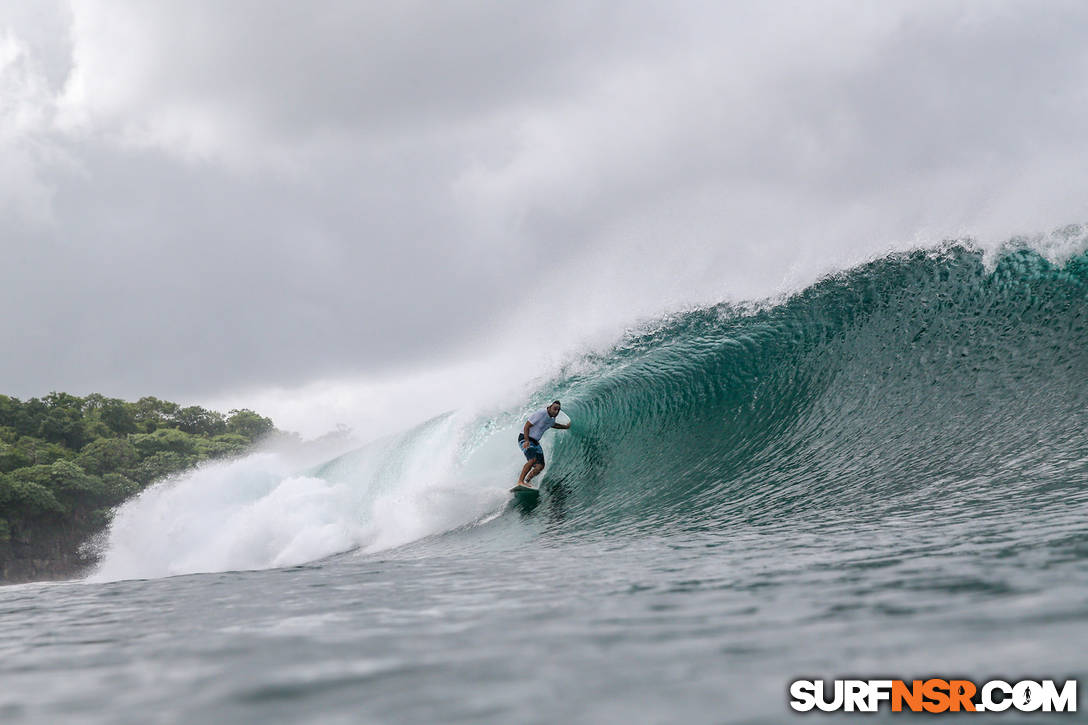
(882, 474)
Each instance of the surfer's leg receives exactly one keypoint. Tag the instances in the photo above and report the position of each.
(524, 470)
(535, 456)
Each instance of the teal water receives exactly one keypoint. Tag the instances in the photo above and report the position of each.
(885, 475)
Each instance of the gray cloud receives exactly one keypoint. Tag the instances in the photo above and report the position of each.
(198, 198)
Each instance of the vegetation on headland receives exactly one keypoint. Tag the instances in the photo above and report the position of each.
(66, 462)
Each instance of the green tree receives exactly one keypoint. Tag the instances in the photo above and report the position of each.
(118, 416)
(160, 465)
(38, 451)
(165, 439)
(117, 487)
(12, 458)
(62, 420)
(64, 401)
(107, 454)
(198, 421)
(27, 498)
(30, 416)
(11, 411)
(224, 445)
(151, 413)
(60, 477)
(69, 460)
(247, 423)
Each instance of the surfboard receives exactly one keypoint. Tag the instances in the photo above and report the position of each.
(525, 491)
(524, 499)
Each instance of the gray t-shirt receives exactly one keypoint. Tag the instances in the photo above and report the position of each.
(540, 422)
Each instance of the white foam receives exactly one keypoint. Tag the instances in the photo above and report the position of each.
(257, 513)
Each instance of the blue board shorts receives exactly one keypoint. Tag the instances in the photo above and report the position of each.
(534, 452)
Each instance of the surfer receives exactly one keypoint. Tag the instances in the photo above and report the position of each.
(529, 441)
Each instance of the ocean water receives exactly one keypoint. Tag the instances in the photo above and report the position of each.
(884, 475)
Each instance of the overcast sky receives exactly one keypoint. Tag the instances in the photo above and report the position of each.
(204, 198)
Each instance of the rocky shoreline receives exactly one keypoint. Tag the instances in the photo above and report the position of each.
(56, 554)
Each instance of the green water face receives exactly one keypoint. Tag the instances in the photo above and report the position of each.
(918, 384)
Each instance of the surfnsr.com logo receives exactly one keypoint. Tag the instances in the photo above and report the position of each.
(933, 695)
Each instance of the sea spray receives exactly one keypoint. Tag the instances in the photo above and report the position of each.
(260, 511)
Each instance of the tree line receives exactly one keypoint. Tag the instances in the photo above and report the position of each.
(67, 461)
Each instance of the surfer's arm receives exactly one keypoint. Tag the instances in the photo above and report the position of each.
(525, 432)
(560, 426)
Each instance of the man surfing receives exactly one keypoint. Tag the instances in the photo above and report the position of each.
(529, 442)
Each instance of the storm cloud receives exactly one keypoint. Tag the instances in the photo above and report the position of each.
(203, 197)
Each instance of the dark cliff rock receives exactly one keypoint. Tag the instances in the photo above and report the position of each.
(41, 551)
